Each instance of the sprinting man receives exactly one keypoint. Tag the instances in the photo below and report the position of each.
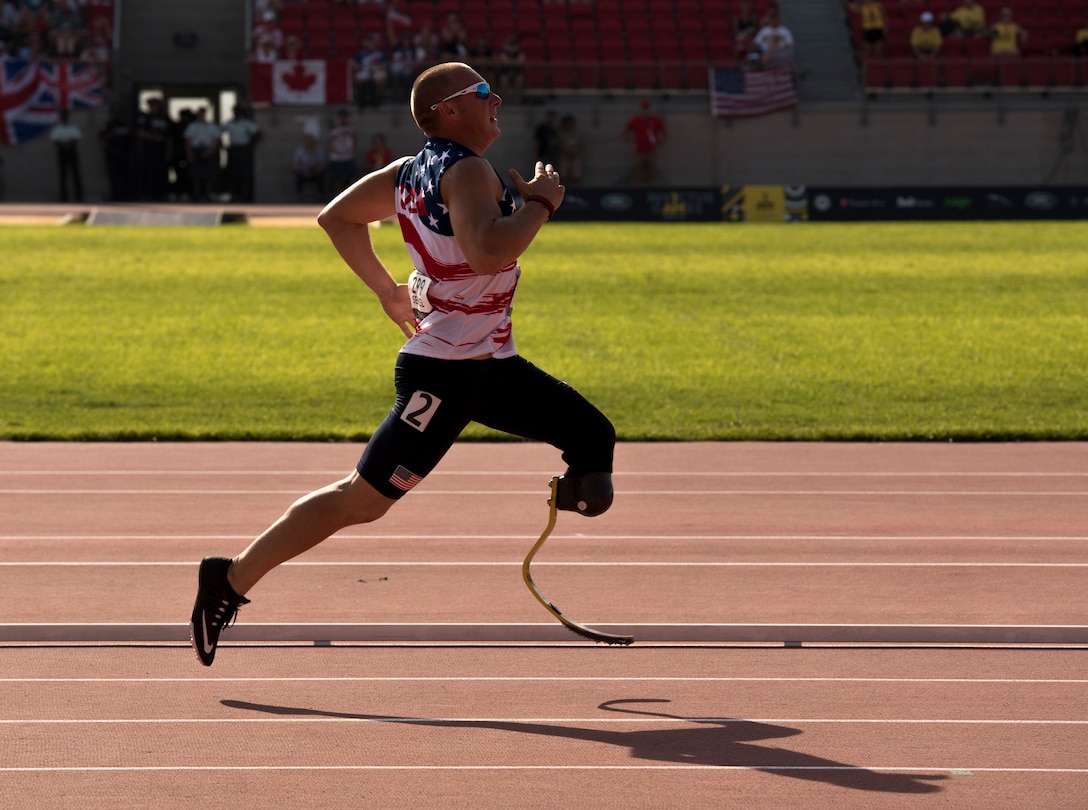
(464, 232)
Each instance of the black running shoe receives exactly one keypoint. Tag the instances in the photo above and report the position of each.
(215, 609)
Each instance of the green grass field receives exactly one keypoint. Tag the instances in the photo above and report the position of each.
(872, 331)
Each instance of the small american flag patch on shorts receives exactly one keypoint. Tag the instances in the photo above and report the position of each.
(404, 479)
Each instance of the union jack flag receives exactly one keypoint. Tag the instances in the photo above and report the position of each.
(31, 92)
(71, 86)
(24, 113)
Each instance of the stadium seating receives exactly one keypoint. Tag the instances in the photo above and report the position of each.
(593, 45)
(1046, 64)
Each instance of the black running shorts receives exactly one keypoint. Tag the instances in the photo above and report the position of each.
(436, 399)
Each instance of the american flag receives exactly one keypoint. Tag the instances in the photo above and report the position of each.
(71, 86)
(404, 479)
(25, 111)
(740, 93)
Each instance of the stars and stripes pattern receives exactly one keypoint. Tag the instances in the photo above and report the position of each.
(744, 93)
(404, 479)
(471, 311)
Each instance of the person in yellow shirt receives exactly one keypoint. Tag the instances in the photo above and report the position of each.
(1007, 37)
(969, 19)
(1080, 39)
(925, 38)
(874, 25)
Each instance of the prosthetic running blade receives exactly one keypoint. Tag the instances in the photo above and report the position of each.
(570, 624)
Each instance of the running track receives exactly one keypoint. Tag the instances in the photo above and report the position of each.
(762, 542)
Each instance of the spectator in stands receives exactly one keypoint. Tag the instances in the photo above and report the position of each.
(775, 42)
(745, 26)
(511, 72)
(265, 53)
(482, 56)
(66, 137)
(453, 37)
(968, 20)
(268, 26)
(571, 146)
(745, 21)
(9, 20)
(925, 38)
(97, 48)
(645, 133)
(546, 140)
(243, 133)
(180, 184)
(1080, 39)
(772, 13)
(371, 72)
(261, 6)
(115, 135)
(292, 48)
(309, 164)
(343, 145)
(397, 22)
(874, 25)
(66, 29)
(428, 46)
(31, 31)
(379, 155)
(203, 142)
(403, 66)
(153, 136)
(1006, 35)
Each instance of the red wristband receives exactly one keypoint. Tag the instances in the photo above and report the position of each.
(543, 201)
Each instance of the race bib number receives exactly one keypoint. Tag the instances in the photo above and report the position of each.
(418, 285)
(420, 409)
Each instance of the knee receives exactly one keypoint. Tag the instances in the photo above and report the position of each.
(588, 495)
(361, 502)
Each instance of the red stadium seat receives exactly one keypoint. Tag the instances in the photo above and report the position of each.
(901, 73)
(1010, 72)
(876, 73)
(956, 72)
(984, 72)
(1066, 71)
(927, 74)
(1036, 72)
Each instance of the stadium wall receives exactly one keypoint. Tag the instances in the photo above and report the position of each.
(970, 145)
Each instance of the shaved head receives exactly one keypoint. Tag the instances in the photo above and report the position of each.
(436, 83)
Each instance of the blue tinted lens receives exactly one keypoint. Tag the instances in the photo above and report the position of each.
(483, 90)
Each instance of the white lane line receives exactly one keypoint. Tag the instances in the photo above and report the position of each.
(547, 564)
(491, 493)
(143, 538)
(617, 473)
(958, 770)
(474, 721)
(547, 679)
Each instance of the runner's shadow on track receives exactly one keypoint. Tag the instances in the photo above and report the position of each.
(722, 742)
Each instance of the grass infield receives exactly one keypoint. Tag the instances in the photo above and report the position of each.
(943, 331)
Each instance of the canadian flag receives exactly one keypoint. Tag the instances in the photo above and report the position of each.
(302, 81)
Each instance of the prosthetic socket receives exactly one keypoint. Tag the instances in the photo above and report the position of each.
(588, 495)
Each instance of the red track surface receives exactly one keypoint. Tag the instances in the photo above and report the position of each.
(705, 533)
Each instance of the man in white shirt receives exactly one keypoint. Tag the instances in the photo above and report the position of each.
(66, 137)
(242, 136)
(775, 42)
(203, 139)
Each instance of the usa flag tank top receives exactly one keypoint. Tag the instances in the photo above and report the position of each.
(460, 314)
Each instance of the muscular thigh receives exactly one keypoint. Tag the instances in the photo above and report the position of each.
(436, 399)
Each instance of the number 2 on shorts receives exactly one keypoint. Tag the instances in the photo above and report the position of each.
(420, 409)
